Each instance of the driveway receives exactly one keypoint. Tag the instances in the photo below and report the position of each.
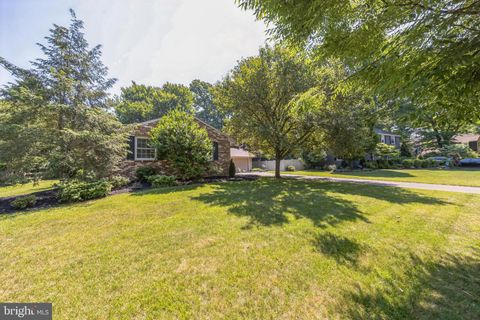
(407, 185)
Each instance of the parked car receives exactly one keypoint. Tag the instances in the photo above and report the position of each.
(470, 162)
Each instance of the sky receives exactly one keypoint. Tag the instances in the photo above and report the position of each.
(146, 41)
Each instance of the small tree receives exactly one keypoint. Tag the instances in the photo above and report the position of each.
(183, 143)
(262, 97)
(386, 151)
(231, 169)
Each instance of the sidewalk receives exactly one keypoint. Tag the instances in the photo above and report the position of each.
(407, 185)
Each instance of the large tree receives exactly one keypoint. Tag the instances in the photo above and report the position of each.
(262, 95)
(425, 51)
(55, 121)
(205, 108)
(139, 102)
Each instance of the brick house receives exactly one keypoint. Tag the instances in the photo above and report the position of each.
(141, 154)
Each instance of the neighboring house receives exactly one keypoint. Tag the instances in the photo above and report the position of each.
(242, 159)
(472, 140)
(140, 153)
(389, 138)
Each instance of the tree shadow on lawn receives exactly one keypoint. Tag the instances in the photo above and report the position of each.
(342, 249)
(268, 201)
(448, 288)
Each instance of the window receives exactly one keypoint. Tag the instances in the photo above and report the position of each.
(388, 139)
(215, 151)
(143, 150)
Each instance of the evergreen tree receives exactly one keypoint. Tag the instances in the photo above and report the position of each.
(205, 108)
(56, 121)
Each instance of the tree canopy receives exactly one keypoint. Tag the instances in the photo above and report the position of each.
(427, 51)
(54, 120)
(205, 108)
(262, 95)
(139, 102)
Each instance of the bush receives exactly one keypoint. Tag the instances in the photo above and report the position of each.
(458, 151)
(417, 163)
(158, 181)
(185, 145)
(24, 202)
(290, 168)
(258, 170)
(118, 181)
(371, 165)
(331, 167)
(408, 163)
(80, 191)
(231, 169)
(144, 172)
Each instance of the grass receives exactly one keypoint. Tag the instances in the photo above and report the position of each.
(265, 249)
(460, 177)
(27, 188)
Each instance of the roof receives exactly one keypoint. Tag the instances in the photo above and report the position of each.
(466, 138)
(380, 131)
(240, 153)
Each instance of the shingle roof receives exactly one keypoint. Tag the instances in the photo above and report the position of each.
(466, 138)
(240, 153)
(380, 131)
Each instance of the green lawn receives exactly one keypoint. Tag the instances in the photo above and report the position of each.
(23, 189)
(265, 249)
(460, 177)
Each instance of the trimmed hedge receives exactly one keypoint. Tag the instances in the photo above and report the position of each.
(143, 173)
(74, 191)
(400, 164)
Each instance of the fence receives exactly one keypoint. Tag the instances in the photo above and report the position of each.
(270, 164)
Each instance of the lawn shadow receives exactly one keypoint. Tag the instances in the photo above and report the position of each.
(269, 201)
(342, 249)
(448, 288)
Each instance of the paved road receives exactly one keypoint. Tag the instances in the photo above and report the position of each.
(408, 185)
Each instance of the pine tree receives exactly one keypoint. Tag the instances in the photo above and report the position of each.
(56, 121)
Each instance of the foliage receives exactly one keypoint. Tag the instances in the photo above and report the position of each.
(231, 169)
(290, 168)
(183, 143)
(408, 163)
(386, 151)
(144, 172)
(262, 96)
(347, 116)
(118, 182)
(24, 202)
(458, 151)
(314, 157)
(139, 102)
(423, 51)
(54, 121)
(205, 108)
(73, 191)
(158, 181)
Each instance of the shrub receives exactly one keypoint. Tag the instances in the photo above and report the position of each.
(158, 181)
(425, 163)
(458, 151)
(408, 163)
(371, 165)
(185, 145)
(144, 172)
(231, 169)
(290, 168)
(258, 170)
(417, 163)
(118, 181)
(24, 202)
(80, 191)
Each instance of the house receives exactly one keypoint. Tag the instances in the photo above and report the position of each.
(472, 140)
(388, 138)
(242, 159)
(140, 153)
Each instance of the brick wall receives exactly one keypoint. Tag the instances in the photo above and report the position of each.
(143, 130)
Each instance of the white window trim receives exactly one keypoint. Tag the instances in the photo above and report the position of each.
(143, 159)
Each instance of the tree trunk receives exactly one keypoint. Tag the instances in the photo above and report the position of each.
(277, 167)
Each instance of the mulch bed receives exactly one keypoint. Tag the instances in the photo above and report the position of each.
(48, 198)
